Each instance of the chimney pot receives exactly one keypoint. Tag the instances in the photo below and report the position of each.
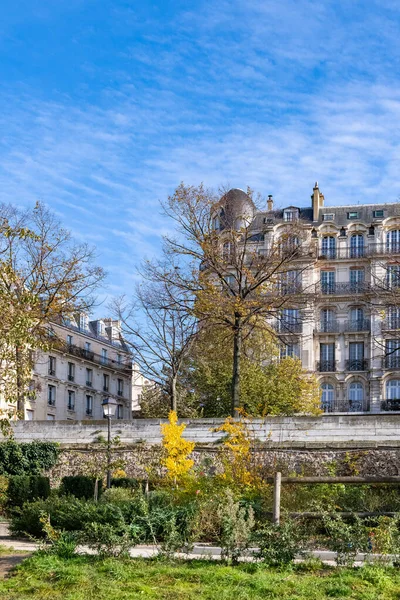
(270, 202)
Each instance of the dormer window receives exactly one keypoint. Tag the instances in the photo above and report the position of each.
(378, 214)
(352, 215)
(290, 214)
(328, 217)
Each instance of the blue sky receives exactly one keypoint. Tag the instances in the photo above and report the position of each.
(106, 106)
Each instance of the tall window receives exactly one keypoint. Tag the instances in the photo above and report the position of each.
(393, 317)
(120, 387)
(290, 282)
(51, 395)
(89, 404)
(356, 356)
(328, 321)
(329, 246)
(393, 240)
(70, 340)
(89, 377)
(120, 411)
(356, 245)
(104, 358)
(357, 318)
(119, 359)
(290, 215)
(106, 382)
(71, 371)
(291, 350)
(356, 397)
(52, 365)
(328, 397)
(392, 354)
(290, 320)
(393, 276)
(328, 279)
(393, 389)
(83, 322)
(356, 279)
(71, 400)
(327, 357)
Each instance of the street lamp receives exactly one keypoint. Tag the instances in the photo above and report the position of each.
(109, 407)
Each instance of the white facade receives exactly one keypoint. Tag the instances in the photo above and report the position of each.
(348, 329)
(90, 364)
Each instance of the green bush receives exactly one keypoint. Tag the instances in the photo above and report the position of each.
(66, 514)
(27, 458)
(125, 482)
(346, 538)
(279, 544)
(80, 486)
(106, 541)
(25, 488)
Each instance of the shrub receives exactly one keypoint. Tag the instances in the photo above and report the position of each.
(81, 486)
(124, 482)
(25, 488)
(3, 493)
(60, 543)
(346, 539)
(65, 514)
(106, 540)
(27, 458)
(279, 544)
(236, 527)
(117, 495)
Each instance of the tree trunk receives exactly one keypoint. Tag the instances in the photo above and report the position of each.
(174, 395)
(237, 352)
(20, 391)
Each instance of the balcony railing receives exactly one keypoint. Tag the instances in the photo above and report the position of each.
(51, 402)
(71, 407)
(342, 289)
(120, 392)
(96, 358)
(356, 364)
(326, 366)
(391, 362)
(358, 252)
(327, 327)
(357, 325)
(52, 372)
(89, 384)
(89, 411)
(289, 327)
(105, 388)
(391, 404)
(71, 378)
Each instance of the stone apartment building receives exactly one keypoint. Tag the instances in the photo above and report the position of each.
(91, 363)
(348, 331)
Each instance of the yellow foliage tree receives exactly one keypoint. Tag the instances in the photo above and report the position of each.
(236, 452)
(176, 448)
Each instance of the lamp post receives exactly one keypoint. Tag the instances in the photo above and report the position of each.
(109, 407)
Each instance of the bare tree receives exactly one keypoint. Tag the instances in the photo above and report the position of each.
(158, 327)
(232, 264)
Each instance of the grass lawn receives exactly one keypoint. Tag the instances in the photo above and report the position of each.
(47, 577)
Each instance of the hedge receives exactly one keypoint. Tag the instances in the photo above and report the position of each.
(27, 458)
(26, 488)
(80, 486)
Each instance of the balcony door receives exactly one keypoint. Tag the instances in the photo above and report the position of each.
(327, 320)
(328, 279)
(356, 245)
(356, 397)
(329, 246)
(393, 240)
(392, 354)
(356, 318)
(393, 317)
(328, 397)
(356, 356)
(356, 279)
(327, 357)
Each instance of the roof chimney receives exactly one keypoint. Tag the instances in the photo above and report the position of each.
(317, 201)
(270, 202)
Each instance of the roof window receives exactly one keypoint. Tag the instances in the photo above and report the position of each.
(352, 215)
(328, 217)
(378, 214)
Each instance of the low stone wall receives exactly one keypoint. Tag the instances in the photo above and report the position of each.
(352, 431)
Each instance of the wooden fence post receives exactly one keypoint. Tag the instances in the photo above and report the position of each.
(276, 515)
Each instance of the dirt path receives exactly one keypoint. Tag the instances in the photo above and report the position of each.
(8, 562)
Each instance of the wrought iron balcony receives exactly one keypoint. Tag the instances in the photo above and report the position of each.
(342, 253)
(105, 388)
(96, 358)
(51, 402)
(342, 289)
(357, 325)
(89, 384)
(120, 392)
(326, 366)
(327, 327)
(385, 248)
(391, 404)
(89, 411)
(391, 362)
(289, 327)
(71, 378)
(356, 364)
(52, 372)
(71, 407)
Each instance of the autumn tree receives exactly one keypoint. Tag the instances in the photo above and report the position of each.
(272, 386)
(158, 327)
(44, 276)
(231, 264)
